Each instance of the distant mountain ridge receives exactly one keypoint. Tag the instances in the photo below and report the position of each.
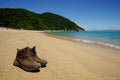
(24, 19)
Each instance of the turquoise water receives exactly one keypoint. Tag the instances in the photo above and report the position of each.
(108, 38)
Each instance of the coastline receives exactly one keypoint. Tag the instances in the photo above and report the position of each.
(67, 60)
(79, 40)
(86, 42)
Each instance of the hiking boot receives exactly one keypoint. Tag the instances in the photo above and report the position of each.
(24, 61)
(43, 62)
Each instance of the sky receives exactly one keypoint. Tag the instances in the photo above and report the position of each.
(89, 14)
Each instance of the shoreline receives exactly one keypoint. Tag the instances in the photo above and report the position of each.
(86, 42)
(67, 60)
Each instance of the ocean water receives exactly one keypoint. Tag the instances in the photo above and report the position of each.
(107, 38)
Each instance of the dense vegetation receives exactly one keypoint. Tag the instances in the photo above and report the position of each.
(24, 19)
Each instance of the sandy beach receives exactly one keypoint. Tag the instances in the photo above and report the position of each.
(67, 60)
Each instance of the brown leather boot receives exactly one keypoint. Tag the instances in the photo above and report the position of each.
(43, 62)
(24, 61)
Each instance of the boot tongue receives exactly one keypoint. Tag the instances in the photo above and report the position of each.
(27, 49)
(21, 54)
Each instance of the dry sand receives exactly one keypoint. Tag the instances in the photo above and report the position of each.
(66, 60)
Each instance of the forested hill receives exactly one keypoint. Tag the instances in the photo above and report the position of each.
(25, 19)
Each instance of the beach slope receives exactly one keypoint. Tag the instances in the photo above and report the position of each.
(67, 60)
